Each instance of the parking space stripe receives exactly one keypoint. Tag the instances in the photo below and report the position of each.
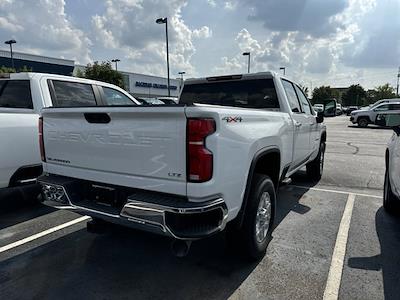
(335, 271)
(43, 233)
(335, 191)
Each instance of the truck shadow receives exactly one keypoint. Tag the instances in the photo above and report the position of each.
(388, 261)
(17, 206)
(125, 263)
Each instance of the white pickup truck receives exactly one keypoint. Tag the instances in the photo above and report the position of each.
(190, 170)
(22, 96)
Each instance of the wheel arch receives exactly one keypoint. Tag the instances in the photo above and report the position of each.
(267, 162)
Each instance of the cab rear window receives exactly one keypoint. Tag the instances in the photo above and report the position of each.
(68, 93)
(258, 93)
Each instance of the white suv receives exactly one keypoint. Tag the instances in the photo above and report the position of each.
(364, 117)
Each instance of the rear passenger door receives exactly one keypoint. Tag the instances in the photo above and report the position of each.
(301, 140)
(311, 121)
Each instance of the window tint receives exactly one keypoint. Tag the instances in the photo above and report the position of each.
(382, 107)
(114, 97)
(73, 94)
(258, 93)
(303, 100)
(291, 95)
(394, 107)
(15, 94)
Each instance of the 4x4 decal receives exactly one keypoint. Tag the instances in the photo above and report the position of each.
(232, 119)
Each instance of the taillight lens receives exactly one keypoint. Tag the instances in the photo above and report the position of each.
(41, 141)
(200, 159)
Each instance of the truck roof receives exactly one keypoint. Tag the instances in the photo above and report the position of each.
(246, 76)
(38, 76)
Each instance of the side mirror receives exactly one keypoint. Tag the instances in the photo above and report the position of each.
(320, 117)
(389, 120)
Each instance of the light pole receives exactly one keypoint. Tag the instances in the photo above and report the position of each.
(10, 42)
(181, 73)
(165, 21)
(284, 70)
(248, 63)
(116, 63)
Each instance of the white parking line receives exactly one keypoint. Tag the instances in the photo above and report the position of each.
(43, 233)
(335, 191)
(335, 271)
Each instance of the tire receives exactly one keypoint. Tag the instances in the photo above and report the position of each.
(315, 168)
(390, 201)
(256, 231)
(362, 122)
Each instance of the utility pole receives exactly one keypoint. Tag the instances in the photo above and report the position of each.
(398, 81)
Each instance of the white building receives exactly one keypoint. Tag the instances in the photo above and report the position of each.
(141, 85)
(146, 86)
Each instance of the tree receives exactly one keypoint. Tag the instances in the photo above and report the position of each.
(4, 69)
(323, 93)
(103, 72)
(355, 95)
(382, 92)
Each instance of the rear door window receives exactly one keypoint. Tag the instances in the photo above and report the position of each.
(114, 97)
(259, 93)
(395, 106)
(15, 94)
(68, 93)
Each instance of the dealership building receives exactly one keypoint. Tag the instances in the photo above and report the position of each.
(139, 85)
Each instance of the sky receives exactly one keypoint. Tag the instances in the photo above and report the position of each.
(319, 42)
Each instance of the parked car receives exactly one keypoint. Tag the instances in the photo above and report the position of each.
(22, 96)
(169, 170)
(338, 109)
(391, 193)
(350, 109)
(168, 100)
(364, 117)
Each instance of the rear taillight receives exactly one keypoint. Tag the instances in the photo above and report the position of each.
(41, 141)
(200, 159)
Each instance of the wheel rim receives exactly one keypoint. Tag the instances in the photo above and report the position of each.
(363, 122)
(263, 217)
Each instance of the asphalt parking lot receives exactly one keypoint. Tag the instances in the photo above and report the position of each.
(332, 238)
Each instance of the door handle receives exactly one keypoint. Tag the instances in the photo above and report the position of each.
(97, 118)
(297, 124)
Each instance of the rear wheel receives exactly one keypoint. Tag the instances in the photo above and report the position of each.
(316, 167)
(362, 122)
(255, 233)
(390, 201)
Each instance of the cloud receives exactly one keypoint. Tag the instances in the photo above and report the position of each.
(314, 17)
(43, 27)
(204, 32)
(130, 26)
(378, 46)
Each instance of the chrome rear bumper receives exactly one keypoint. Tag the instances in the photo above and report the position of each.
(148, 211)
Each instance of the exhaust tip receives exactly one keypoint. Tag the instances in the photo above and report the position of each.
(180, 248)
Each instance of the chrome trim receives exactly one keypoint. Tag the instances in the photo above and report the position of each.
(154, 214)
(150, 215)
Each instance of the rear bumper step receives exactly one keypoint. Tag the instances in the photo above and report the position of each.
(164, 214)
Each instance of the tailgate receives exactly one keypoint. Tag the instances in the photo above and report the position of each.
(143, 147)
